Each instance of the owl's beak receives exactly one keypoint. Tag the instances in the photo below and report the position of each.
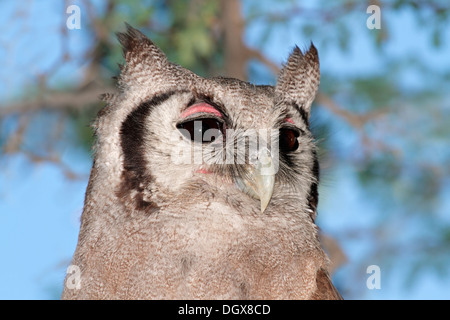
(261, 178)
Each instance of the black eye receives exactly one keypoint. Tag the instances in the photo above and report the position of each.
(201, 130)
(288, 140)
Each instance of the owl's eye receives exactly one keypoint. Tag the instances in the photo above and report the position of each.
(288, 140)
(201, 130)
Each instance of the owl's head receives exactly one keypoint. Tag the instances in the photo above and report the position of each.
(171, 133)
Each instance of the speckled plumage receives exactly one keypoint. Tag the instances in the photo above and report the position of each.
(155, 229)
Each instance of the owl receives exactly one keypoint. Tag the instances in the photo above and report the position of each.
(202, 188)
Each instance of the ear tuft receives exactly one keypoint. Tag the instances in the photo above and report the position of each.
(142, 58)
(299, 78)
(107, 97)
(312, 54)
(132, 39)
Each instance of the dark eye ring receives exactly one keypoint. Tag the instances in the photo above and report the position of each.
(204, 130)
(288, 140)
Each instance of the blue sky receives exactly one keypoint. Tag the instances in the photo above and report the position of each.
(39, 208)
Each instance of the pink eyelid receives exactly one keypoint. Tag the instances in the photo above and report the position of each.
(200, 107)
(289, 120)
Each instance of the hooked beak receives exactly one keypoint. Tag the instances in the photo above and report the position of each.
(261, 178)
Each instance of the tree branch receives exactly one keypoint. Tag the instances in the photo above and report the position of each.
(58, 101)
(355, 120)
(256, 54)
(232, 24)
